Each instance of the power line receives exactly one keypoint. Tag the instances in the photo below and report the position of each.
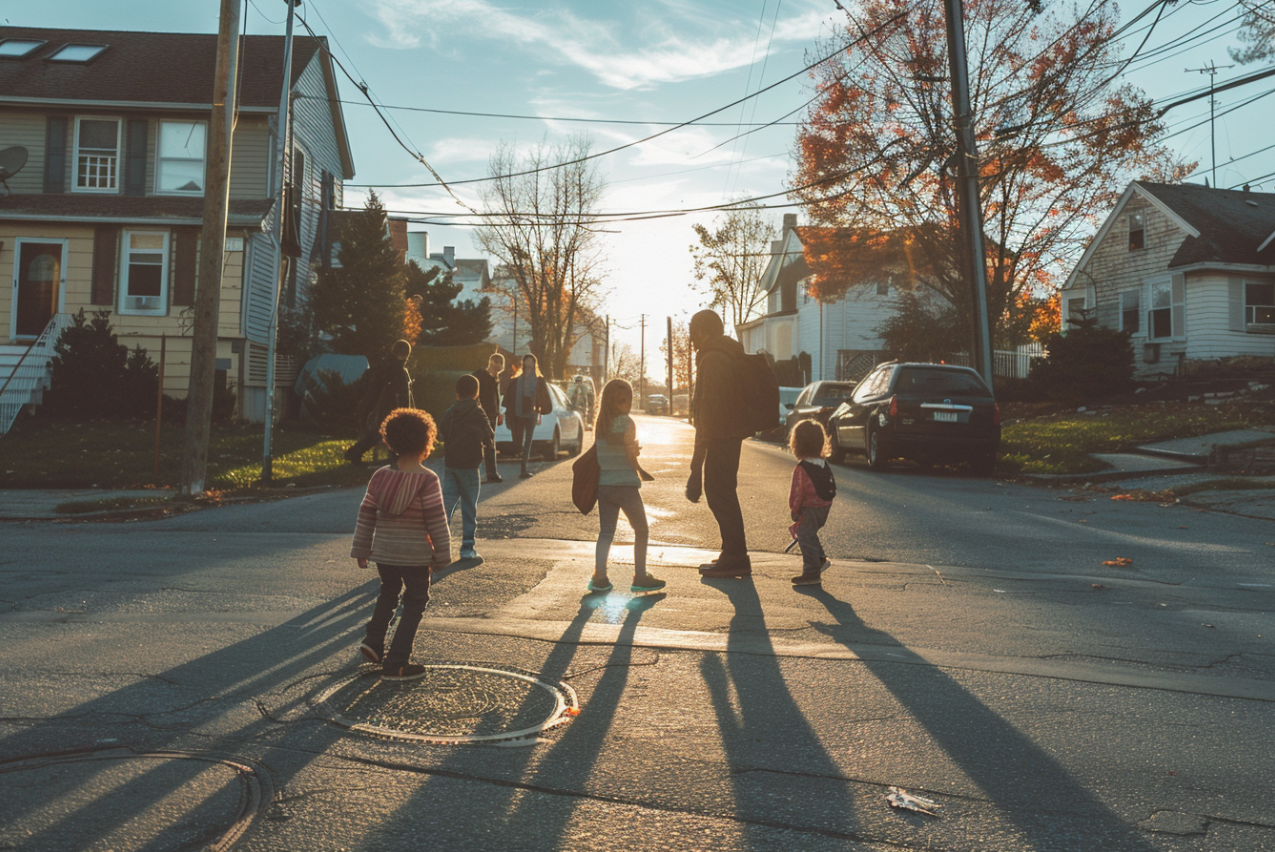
(645, 139)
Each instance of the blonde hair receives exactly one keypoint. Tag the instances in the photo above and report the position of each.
(808, 440)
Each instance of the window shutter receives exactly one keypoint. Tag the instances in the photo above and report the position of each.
(102, 289)
(1179, 304)
(1235, 303)
(185, 265)
(135, 164)
(55, 154)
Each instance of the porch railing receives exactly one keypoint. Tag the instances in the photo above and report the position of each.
(30, 376)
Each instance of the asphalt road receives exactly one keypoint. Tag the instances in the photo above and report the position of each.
(159, 680)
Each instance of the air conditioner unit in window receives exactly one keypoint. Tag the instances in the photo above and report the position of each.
(144, 303)
(1150, 353)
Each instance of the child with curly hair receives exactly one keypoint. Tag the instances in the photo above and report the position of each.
(813, 490)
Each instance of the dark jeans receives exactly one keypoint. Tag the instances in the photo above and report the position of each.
(812, 520)
(369, 440)
(523, 429)
(489, 453)
(721, 479)
(413, 581)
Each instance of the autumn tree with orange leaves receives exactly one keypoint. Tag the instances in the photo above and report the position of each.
(1058, 139)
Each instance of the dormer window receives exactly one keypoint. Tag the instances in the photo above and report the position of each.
(1137, 231)
(19, 48)
(97, 154)
(77, 53)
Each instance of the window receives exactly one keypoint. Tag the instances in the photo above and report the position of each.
(1259, 304)
(180, 167)
(16, 48)
(97, 154)
(1073, 310)
(1137, 231)
(1160, 317)
(1130, 311)
(144, 273)
(77, 53)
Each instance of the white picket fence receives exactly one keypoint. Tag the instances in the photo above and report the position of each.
(1010, 363)
(24, 382)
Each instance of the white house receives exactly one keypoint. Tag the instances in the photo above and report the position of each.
(840, 337)
(1188, 270)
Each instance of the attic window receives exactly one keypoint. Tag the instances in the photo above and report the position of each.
(19, 48)
(1137, 231)
(77, 52)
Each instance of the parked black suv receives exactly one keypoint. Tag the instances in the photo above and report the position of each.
(926, 412)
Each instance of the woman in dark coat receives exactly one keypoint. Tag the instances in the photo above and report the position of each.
(526, 401)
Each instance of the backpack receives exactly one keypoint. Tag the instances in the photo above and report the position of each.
(760, 391)
(822, 479)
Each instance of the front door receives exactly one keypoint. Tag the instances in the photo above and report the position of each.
(37, 286)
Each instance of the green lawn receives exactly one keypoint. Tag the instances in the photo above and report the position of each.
(105, 454)
(1062, 443)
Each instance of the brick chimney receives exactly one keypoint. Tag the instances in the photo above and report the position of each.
(790, 222)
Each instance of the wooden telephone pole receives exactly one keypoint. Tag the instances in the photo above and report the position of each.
(212, 244)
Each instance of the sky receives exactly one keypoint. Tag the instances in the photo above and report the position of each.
(649, 61)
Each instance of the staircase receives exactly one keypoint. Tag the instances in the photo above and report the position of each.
(25, 370)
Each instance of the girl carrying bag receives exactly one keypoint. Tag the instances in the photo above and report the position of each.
(584, 483)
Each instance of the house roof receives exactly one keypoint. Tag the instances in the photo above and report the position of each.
(147, 68)
(128, 209)
(1234, 226)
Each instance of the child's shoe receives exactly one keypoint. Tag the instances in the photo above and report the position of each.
(469, 553)
(804, 579)
(372, 655)
(596, 588)
(411, 671)
(648, 585)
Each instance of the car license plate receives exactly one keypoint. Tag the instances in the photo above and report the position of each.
(945, 416)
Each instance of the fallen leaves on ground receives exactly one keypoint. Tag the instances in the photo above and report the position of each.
(1119, 562)
(1139, 495)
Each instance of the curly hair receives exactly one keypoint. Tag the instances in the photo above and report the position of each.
(808, 440)
(408, 431)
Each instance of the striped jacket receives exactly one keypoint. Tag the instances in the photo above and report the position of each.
(401, 520)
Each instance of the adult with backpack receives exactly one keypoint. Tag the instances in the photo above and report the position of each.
(732, 390)
(385, 387)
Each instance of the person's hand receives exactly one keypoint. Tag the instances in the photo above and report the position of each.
(500, 419)
(796, 517)
(362, 563)
(539, 417)
(695, 486)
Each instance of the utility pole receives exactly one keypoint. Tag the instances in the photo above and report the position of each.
(1211, 69)
(669, 359)
(282, 126)
(212, 245)
(971, 211)
(606, 353)
(642, 368)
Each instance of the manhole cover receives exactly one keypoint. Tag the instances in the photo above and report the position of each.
(116, 799)
(454, 703)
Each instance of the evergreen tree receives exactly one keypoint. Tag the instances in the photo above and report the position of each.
(361, 304)
(444, 321)
(95, 377)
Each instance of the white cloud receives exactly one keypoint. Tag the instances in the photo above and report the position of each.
(561, 36)
(456, 149)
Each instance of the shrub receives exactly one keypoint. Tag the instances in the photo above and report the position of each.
(223, 410)
(329, 404)
(95, 377)
(1088, 361)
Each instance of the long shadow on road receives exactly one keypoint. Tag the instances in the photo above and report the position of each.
(1032, 790)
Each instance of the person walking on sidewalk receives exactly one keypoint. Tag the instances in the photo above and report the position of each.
(489, 399)
(813, 490)
(619, 487)
(466, 433)
(718, 410)
(402, 527)
(388, 386)
(526, 401)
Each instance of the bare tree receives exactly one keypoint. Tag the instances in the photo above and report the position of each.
(540, 209)
(1257, 30)
(731, 259)
(625, 364)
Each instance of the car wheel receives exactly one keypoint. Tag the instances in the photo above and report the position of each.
(552, 447)
(984, 464)
(874, 451)
(836, 453)
(578, 446)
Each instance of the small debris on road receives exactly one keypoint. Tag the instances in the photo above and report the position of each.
(1205, 624)
(900, 798)
(1098, 586)
(1119, 562)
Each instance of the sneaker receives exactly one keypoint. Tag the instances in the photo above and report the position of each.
(372, 655)
(647, 585)
(495, 478)
(411, 671)
(729, 567)
(594, 588)
(469, 553)
(526, 474)
(807, 580)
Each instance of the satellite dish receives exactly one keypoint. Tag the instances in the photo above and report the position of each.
(11, 162)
